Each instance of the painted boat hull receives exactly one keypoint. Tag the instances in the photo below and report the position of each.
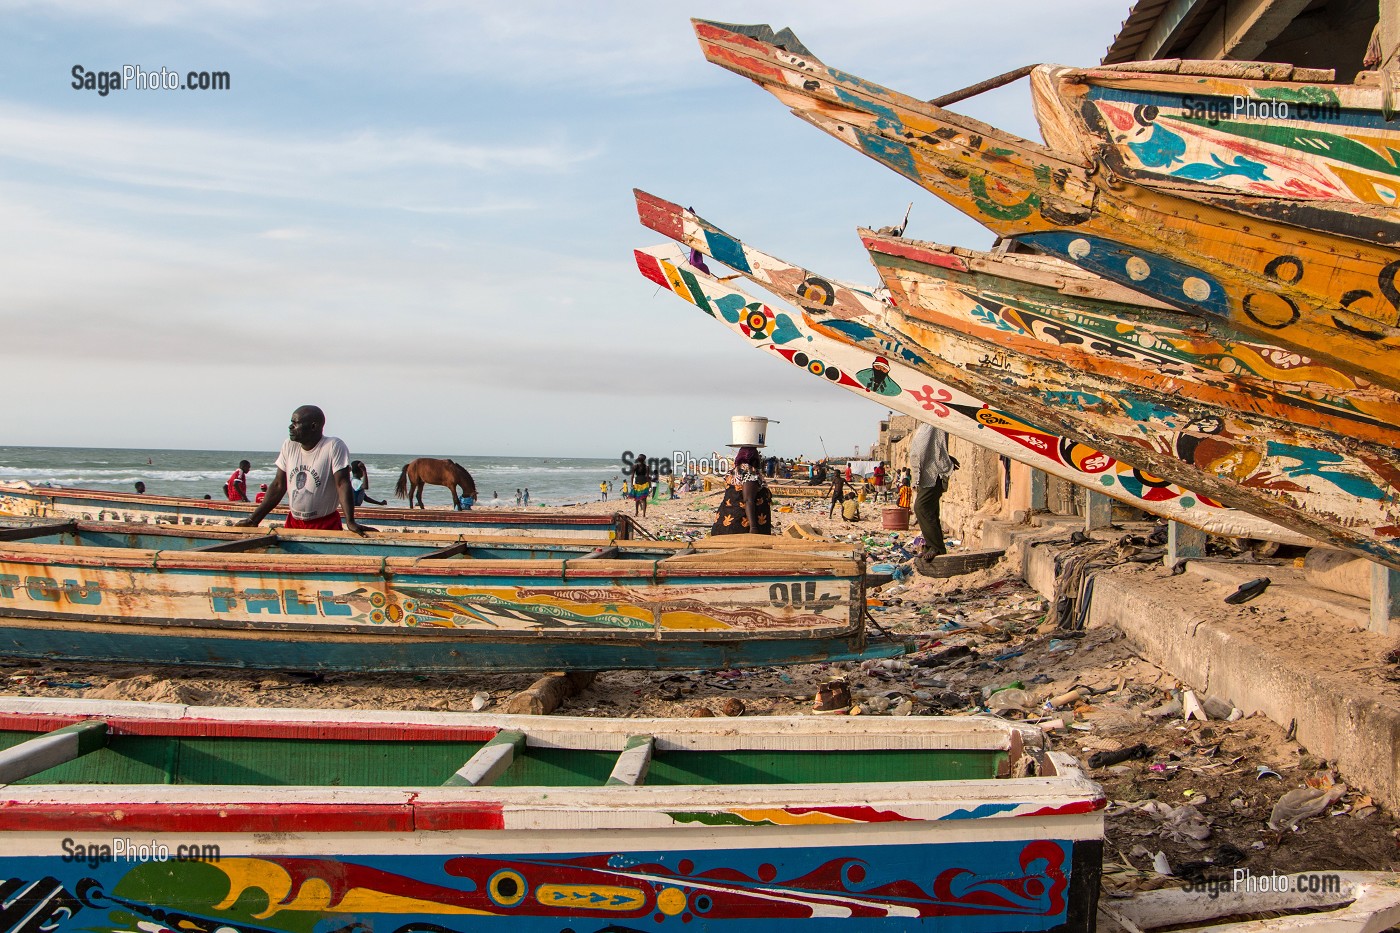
(100, 505)
(331, 601)
(1298, 141)
(1041, 305)
(842, 346)
(981, 854)
(786, 490)
(1324, 294)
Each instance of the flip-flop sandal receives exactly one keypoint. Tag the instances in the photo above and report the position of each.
(1248, 591)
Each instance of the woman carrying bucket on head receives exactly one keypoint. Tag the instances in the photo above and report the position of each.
(747, 507)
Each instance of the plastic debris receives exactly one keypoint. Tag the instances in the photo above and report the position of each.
(1302, 803)
(481, 701)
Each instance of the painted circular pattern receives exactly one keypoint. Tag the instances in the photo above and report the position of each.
(801, 359)
(507, 888)
(1079, 248)
(376, 615)
(1138, 269)
(394, 612)
(833, 374)
(670, 901)
(1197, 289)
(816, 367)
(702, 904)
(377, 600)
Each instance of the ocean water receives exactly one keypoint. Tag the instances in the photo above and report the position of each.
(195, 473)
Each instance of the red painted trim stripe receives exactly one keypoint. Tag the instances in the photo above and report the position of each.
(909, 251)
(660, 215)
(68, 817)
(650, 268)
(1070, 809)
(259, 729)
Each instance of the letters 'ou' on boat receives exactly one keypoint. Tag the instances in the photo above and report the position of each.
(1219, 456)
(286, 821)
(1264, 131)
(1042, 305)
(333, 601)
(104, 505)
(849, 348)
(1325, 294)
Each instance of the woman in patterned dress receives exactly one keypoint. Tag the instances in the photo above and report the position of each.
(747, 507)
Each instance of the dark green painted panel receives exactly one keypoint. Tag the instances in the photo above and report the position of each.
(834, 767)
(157, 760)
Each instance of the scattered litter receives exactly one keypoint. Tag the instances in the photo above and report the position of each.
(1131, 753)
(481, 701)
(1303, 803)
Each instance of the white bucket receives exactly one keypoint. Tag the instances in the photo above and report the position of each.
(749, 431)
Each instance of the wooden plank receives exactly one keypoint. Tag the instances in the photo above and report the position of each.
(238, 545)
(489, 762)
(37, 531)
(602, 553)
(632, 764)
(40, 753)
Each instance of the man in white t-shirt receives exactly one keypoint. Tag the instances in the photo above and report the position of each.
(315, 470)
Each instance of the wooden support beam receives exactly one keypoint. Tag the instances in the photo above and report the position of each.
(1241, 29)
(42, 752)
(1098, 510)
(1038, 497)
(238, 544)
(631, 766)
(1385, 599)
(489, 762)
(1184, 542)
(452, 550)
(37, 531)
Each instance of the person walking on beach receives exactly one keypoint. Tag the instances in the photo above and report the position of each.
(877, 479)
(603, 491)
(641, 485)
(359, 484)
(236, 486)
(931, 468)
(525, 499)
(517, 495)
(838, 491)
(316, 470)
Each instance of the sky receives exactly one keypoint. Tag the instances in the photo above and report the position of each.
(419, 216)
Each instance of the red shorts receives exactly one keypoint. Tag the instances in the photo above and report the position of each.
(329, 522)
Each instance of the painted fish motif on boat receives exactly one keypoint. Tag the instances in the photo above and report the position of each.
(1280, 139)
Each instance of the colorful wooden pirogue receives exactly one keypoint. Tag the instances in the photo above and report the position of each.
(335, 601)
(1309, 480)
(843, 341)
(119, 817)
(1301, 282)
(1271, 132)
(1042, 306)
(105, 505)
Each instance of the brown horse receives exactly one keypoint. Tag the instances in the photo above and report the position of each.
(429, 471)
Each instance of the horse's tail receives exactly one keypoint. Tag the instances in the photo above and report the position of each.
(401, 490)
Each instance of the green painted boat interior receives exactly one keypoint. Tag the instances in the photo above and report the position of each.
(141, 759)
